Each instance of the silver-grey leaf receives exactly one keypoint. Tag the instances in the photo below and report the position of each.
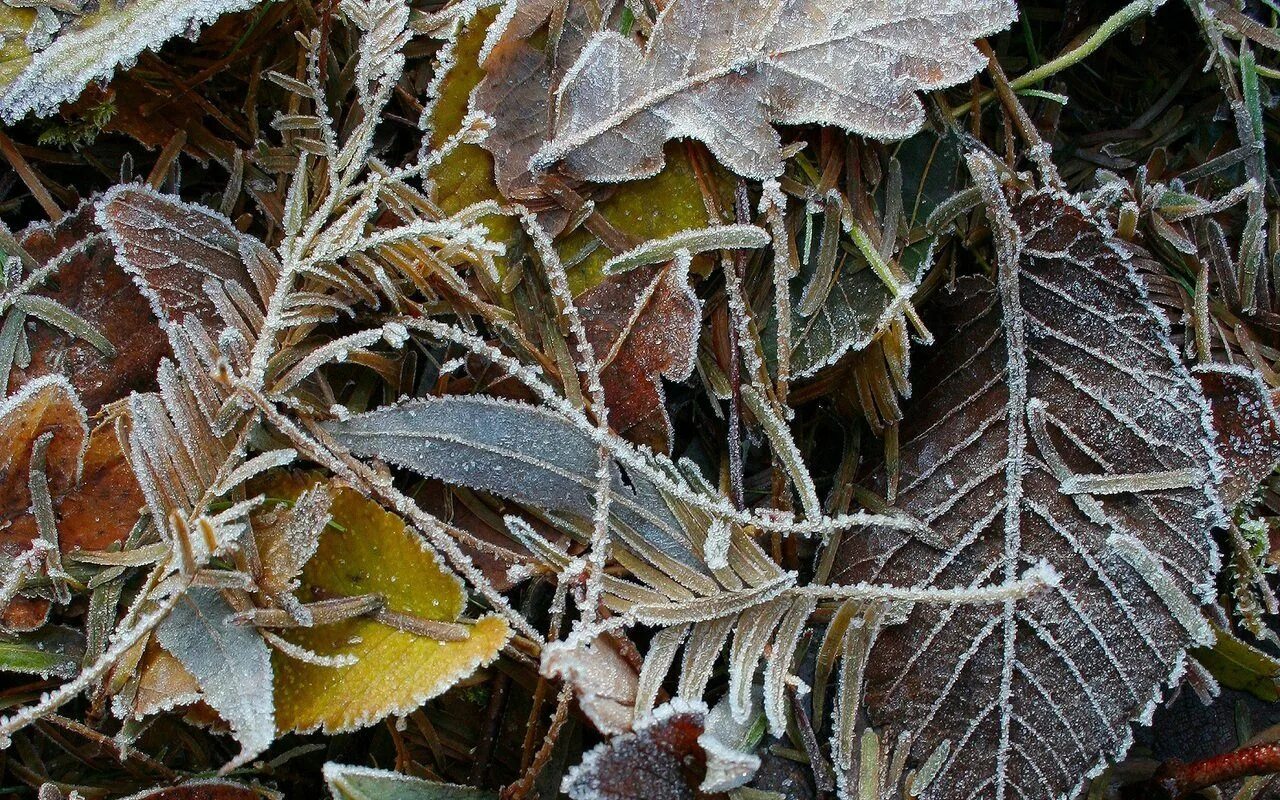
(231, 663)
(722, 72)
(515, 451)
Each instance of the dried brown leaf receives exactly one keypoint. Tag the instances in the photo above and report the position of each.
(1056, 426)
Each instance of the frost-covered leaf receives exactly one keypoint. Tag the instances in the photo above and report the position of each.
(372, 552)
(466, 175)
(514, 450)
(186, 259)
(603, 681)
(231, 663)
(665, 758)
(364, 783)
(1239, 665)
(45, 68)
(1246, 425)
(160, 684)
(92, 492)
(859, 305)
(521, 78)
(95, 288)
(53, 650)
(106, 503)
(722, 72)
(644, 326)
(1054, 423)
(199, 790)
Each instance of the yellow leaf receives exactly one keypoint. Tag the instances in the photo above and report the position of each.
(397, 671)
(465, 176)
(653, 208)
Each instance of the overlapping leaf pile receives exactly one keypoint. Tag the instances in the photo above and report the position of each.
(674, 399)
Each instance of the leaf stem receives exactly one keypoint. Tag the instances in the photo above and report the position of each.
(1176, 779)
(1113, 25)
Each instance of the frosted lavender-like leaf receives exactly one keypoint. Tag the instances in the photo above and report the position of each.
(724, 72)
(1054, 423)
(514, 450)
(231, 663)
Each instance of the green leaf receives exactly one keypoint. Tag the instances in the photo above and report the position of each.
(54, 650)
(1239, 665)
(859, 305)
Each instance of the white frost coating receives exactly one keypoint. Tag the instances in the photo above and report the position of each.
(730, 763)
(845, 63)
(1072, 419)
(91, 49)
(581, 782)
(692, 241)
(1157, 577)
(653, 466)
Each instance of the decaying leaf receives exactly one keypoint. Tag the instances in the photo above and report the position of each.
(1054, 424)
(672, 748)
(231, 662)
(644, 326)
(520, 81)
(722, 72)
(162, 684)
(175, 251)
(48, 59)
(98, 291)
(45, 408)
(1246, 426)
(397, 670)
(107, 501)
(604, 682)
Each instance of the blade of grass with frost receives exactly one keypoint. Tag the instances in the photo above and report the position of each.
(90, 47)
(513, 450)
(698, 240)
(231, 662)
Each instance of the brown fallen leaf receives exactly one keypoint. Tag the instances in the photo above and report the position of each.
(644, 325)
(200, 790)
(660, 760)
(521, 79)
(97, 289)
(1246, 426)
(95, 498)
(45, 406)
(1054, 430)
